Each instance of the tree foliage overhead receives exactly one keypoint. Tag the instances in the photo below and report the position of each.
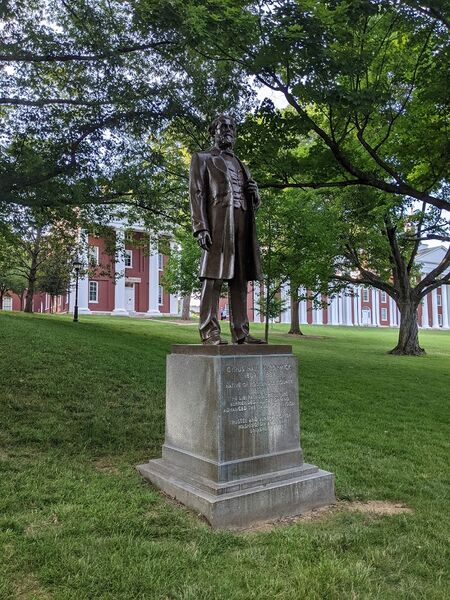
(367, 80)
(83, 85)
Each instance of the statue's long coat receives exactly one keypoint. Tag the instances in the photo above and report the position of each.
(211, 195)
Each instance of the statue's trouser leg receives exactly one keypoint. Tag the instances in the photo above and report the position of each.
(237, 286)
(209, 326)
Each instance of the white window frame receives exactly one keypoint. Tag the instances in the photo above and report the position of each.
(365, 297)
(128, 253)
(96, 292)
(160, 295)
(440, 320)
(160, 261)
(438, 299)
(93, 256)
(384, 316)
(383, 297)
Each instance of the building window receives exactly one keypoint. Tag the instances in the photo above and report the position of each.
(93, 253)
(93, 291)
(384, 314)
(128, 258)
(383, 297)
(160, 262)
(440, 320)
(7, 303)
(365, 295)
(160, 294)
(439, 299)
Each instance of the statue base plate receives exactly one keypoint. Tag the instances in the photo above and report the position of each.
(285, 495)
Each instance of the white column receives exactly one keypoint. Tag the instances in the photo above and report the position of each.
(425, 319)
(374, 308)
(256, 300)
(83, 282)
(303, 308)
(391, 312)
(343, 307)
(330, 311)
(434, 309)
(119, 288)
(153, 281)
(356, 291)
(348, 310)
(71, 293)
(285, 296)
(444, 298)
(83, 295)
(318, 312)
(173, 305)
(334, 317)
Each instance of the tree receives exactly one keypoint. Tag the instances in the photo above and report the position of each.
(300, 235)
(181, 271)
(54, 278)
(84, 86)
(366, 80)
(380, 247)
(35, 237)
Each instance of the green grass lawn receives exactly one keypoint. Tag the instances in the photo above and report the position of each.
(82, 404)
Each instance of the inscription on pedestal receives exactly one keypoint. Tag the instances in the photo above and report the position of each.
(260, 403)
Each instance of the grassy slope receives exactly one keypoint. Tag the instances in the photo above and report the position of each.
(80, 405)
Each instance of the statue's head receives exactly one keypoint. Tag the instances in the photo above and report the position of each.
(223, 130)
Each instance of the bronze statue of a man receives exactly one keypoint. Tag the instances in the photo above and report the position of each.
(224, 198)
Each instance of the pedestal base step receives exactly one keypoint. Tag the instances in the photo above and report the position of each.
(242, 508)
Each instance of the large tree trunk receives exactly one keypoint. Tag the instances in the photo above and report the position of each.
(295, 321)
(186, 308)
(29, 300)
(408, 337)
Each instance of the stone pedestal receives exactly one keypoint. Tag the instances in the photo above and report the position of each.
(232, 445)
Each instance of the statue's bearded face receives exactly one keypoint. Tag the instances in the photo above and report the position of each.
(225, 135)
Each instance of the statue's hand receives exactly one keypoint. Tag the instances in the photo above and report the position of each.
(252, 193)
(204, 240)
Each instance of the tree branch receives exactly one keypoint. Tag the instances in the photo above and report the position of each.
(47, 101)
(30, 57)
(430, 278)
(365, 178)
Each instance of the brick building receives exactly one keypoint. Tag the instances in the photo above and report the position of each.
(138, 291)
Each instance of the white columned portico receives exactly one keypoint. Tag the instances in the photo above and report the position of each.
(434, 309)
(153, 282)
(444, 298)
(119, 288)
(83, 282)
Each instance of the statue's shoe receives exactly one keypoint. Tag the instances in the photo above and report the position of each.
(251, 340)
(214, 341)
